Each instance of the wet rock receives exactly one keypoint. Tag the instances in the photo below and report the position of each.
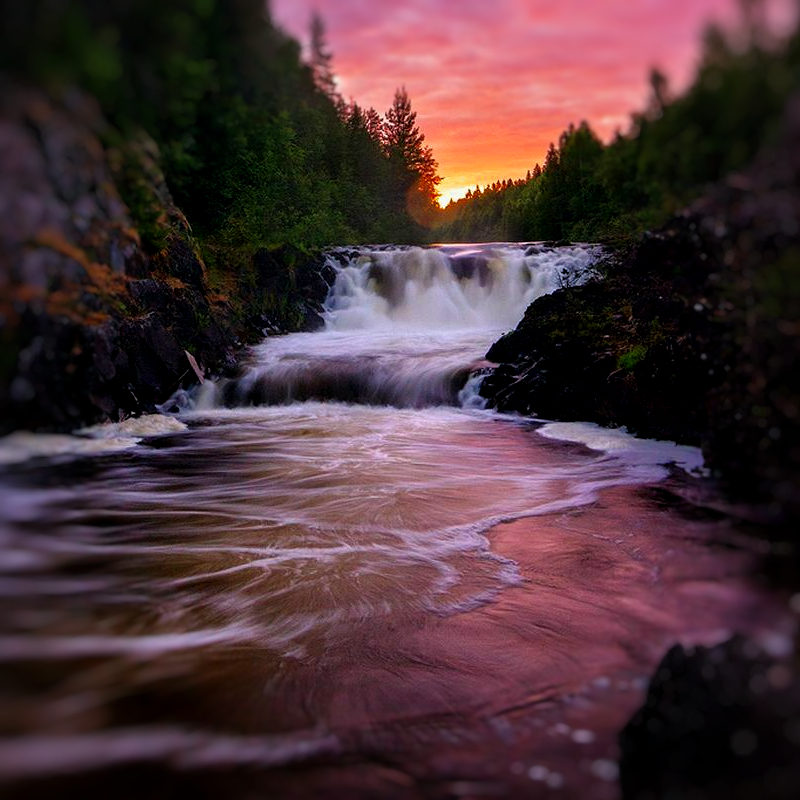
(585, 353)
(301, 281)
(468, 266)
(692, 336)
(719, 722)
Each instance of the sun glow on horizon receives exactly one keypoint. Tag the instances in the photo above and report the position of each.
(454, 193)
(507, 80)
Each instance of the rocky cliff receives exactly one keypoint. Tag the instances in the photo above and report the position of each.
(106, 305)
(692, 335)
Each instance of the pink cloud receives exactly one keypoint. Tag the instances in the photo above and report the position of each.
(494, 83)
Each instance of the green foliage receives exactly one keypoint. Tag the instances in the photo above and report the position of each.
(629, 359)
(674, 148)
(258, 148)
(137, 175)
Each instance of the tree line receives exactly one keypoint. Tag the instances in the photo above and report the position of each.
(588, 190)
(257, 146)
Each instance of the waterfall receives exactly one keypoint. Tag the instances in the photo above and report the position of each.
(404, 326)
(449, 287)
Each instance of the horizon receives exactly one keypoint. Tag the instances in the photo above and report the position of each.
(489, 112)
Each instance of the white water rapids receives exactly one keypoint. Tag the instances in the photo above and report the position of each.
(405, 326)
(339, 555)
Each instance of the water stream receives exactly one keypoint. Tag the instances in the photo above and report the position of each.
(336, 575)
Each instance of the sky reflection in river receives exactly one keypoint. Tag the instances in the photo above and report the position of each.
(343, 586)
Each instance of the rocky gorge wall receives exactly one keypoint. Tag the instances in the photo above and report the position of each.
(105, 312)
(692, 335)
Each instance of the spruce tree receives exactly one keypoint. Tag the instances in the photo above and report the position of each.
(412, 160)
(322, 63)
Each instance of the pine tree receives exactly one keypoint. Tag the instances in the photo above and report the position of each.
(402, 137)
(411, 158)
(322, 63)
(659, 94)
(374, 124)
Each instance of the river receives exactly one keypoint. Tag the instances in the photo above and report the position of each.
(338, 575)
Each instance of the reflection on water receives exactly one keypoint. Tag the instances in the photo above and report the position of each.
(278, 527)
(290, 559)
(395, 598)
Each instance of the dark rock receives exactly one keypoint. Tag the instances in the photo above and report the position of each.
(301, 283)
(150, 294)
(718, 724)
(467, 266)
(184, 263)
(692, 336)
(585, 353)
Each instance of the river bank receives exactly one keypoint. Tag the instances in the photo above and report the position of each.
(690, 335)
(100, 318)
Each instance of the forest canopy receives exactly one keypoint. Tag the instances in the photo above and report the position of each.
(257, 146)
(675, 147)
(260, 149)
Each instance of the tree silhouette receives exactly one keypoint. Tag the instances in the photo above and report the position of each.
(412, 160)
(321, 62)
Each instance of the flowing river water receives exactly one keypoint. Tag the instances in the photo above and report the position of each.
(337, 575)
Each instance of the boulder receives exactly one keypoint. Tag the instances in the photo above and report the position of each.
(718, 723)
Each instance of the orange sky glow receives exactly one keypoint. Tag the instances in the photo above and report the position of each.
(493, 83)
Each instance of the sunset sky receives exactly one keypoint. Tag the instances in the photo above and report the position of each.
(495, 81)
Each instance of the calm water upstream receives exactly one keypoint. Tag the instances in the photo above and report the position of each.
(338, 576)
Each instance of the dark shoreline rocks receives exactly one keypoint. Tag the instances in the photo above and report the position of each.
(101, 318)
(692, 335)
(718, 723)
(588, 353)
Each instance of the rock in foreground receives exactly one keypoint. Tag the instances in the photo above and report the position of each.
(718, 723)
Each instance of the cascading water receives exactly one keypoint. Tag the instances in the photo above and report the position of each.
(477, 287)
(271, 594)
(405, 326)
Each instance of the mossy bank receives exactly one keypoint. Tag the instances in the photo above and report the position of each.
(102, 316)
(691, 335)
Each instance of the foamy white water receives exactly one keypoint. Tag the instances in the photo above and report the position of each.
(626, 447)
(404, 327)
(450, 287)
(395, 502)
(21, 446)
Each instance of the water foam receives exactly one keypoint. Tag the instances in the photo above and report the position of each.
(181, 747)
(448, 288)
(137, 428)
(643, 453)
(379, 510)
(22, 446)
